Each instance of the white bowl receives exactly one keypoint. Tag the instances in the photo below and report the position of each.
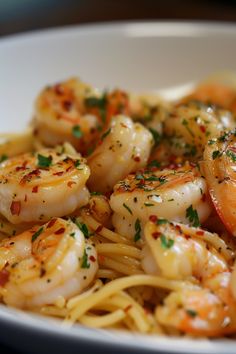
(136, 56)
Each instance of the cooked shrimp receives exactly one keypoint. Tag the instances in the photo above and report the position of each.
(167, 193)
(125, 147)
(217, 93)
(199, 312)
(46, 262)
(36, 187)
(177, 251)
(150, 110)
(194, 123)
(60, 115)
(219, 168)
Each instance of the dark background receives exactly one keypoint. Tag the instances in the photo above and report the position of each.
(25, 15)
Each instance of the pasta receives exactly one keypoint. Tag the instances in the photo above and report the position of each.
(117, 211)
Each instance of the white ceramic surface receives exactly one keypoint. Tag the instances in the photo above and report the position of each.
(138, 56)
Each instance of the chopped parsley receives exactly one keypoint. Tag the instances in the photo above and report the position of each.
(72, 235)
(44, 161)
(211, 141)
(185, 123)
(37, 234)
(148, 204)
(83, 228)
(105, 134)
(77, 164)
(216, 154)
(156, 136)
(231, 155)
(154, 163)
(85, 263)
(76, 131)
(3, 158)
(166, 242)
(161, 221)
(98, 102)
(138, 230)
(126, 207)
(191, 313)
(192, 216)
(95, 193)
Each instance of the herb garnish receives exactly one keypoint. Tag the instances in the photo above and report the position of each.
(105, 134)
(161, 221)
(83, 227)
(192, 215)
(166, 242)
(138, 230)
(126, 207)
(231, 155)
(156, 136)
(191, 313)
(44, 161)
(76, 131)
(36, 234)
(85, 263)
(3, 158)
(216, 154)
(154, 163)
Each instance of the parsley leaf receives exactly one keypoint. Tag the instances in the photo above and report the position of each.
(36, 234)
(3, 158)
(154, 163)
(216, 154)
(85, 263)
(138, 230)
(105, 134)
(44, 161)
(161, 221)
(191, 313)
(126, 207)
(76, 131)
(192, 215)
(166, 242)
(156, 136)
(83, 227)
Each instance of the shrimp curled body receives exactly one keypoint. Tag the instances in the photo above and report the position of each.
(45, 263)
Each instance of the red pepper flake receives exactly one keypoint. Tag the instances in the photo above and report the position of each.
(137, 159)
(108, 194)
(187, 237)
(26, 198)
(35, 189)
(127, 308)
(203, 128)
(177, 227)
(15, 207)
(51, 223)
(200, 232)
(70, 183)
(153, 218)
(156, 235)
(4, 276)
(92, 259)
(67, 105)
(60, 231)
(99, 228)
(28, 177)
(99, 142)
(69, 168)
(101, 258)
(203, 197)
(60, 173)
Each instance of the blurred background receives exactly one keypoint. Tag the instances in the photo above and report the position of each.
(24, 15)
